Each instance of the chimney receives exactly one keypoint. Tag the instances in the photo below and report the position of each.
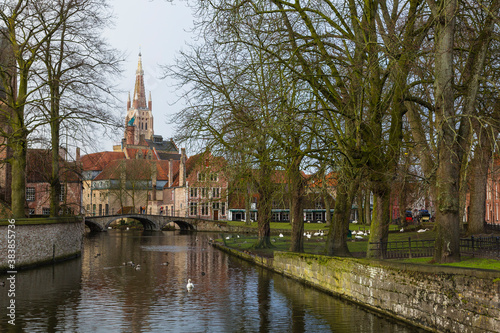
(128, 101)
(150, 102)
(130, 135)
(142, 137)
(182, 168)
(170, 175)
(77, 154)
(63, 153)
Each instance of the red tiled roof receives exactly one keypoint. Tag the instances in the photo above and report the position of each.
(139, 169)
(97, 161)
(330, 179)
(132, 152)
(175, 172)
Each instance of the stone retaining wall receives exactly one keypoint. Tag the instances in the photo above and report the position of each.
(443, 299)
(41, 241)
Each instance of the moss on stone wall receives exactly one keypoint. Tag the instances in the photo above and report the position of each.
(446, 299)
(43, 220)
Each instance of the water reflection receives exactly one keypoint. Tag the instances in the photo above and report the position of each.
(98, 293)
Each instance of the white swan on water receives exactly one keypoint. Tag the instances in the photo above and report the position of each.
(189, 286)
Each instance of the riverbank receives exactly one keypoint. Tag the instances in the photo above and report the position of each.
(32, 242)
(436, 298)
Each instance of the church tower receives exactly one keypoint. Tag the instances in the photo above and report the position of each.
(139, 119)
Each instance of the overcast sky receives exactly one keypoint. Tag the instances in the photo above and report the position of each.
(159, 29)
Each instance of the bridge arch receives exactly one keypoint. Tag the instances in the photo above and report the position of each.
(147, 223)
(183, 225)
(93, 226)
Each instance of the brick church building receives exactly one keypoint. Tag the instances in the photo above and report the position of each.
(145, 173)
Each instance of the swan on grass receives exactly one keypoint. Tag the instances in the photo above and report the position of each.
(189, 285)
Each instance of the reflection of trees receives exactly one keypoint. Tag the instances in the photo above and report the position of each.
(44, 293)
(263, 293)
(338, 315)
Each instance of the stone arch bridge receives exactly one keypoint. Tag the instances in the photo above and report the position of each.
(154, 222)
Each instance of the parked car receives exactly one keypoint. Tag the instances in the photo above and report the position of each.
(424, 215)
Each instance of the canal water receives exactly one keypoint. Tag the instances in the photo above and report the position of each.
(98, 293)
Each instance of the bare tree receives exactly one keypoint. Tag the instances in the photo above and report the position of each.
(49, 46)
(78, 67)
(26, 35)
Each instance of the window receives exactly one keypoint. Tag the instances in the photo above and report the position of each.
(214, 177)
(276, 217)
(318, 216)
(46, 211)
(319, 205)
(201, 177)
(61, 195)
(309, 216)
(31, 211)
(193, 208)
(204, 208)
(286, 217)
(204, 192)
(30, 194)
(215, 205)
(215, 192)
(223, 208)
(194, 192)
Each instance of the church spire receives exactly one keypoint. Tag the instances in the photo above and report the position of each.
(139, 90)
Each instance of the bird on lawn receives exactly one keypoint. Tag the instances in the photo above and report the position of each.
(423, 230)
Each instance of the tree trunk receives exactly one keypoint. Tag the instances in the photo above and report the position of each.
(264, 209)
(447, 247)
(379, 230)
(336, 243)
(360, 201)
(480, 164)
(296, 207)
(18, 164)
(367, 208)
(55, 183)
(328, 215)
(247, 206)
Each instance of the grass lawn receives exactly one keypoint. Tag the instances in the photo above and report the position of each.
(316, 245)
(469, 262)
(281, 225)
